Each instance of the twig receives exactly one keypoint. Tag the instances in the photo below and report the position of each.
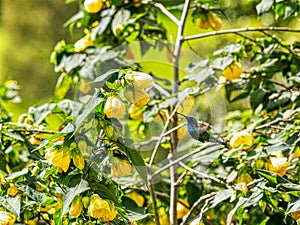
(153, 198)
(159, 171)
(280, 43)
(195, 205)
(204, 175)
(165, 11)
(274, 122)
(237, 30)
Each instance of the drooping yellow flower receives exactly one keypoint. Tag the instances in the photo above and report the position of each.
(214, 21)
(60, 158)
(135, 113)
(7, 218)
(12, 190)
(202, 22)
(139, 80)
(278, 165)
(141, 98)
(76, 207)
(83, 43)
(137, 198)
(182, 209)
(100, 208)
(187, 105)
(114, 107)
(120, 167)
(93, 6)
(232, 71)
(241, 138)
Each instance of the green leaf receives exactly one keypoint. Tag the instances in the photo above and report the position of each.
(17, 174)
(221, 196)
(63, 85)
(240, 202)
(31, 193)
(264, 6)
(132, 210)
(120, 19)
(91, 105)
(221, 62)
(72, 192)
(135, 158)
(11, 204)
(257, 98)
(41, 112)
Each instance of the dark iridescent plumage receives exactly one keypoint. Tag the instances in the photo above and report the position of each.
(198, 130)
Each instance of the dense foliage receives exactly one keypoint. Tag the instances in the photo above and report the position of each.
(112, 146)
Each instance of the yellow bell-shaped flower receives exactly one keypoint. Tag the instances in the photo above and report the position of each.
(7, 218)
(141, 98)
(76, 207)
(214, 21)
(12, 190)
(60, 158)
(120, 167)
(81, 45)
(100, 208)
(93, 6)
(135, 113)
(114, 107)
(278, 165)
(182, 209)
(241, 138)
(140, 80)
(232, 71)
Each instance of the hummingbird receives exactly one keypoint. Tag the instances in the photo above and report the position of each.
(198, 130)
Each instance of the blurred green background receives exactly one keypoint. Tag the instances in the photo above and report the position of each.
(29, 30)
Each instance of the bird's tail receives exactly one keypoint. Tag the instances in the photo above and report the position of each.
(216, 140)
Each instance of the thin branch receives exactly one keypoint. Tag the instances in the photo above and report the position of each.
(279, 42)
(237, 30)
(204, 175)
(165, 11)
(153, 198)
(162, 135)
(159, 171)
(275, 121)
(195, 205)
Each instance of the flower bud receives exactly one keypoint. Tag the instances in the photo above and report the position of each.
(93, 6)
(78, 160)
(76, 207)
(82, 44)
(140, 80)
(114, 107)
(202, 22)
(85, 201)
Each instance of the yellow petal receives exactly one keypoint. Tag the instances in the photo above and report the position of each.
(93, 6)
(114, 107)
(141, 98)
